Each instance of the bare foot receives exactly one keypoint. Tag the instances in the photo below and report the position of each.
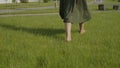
(68, 39)
(82, 31)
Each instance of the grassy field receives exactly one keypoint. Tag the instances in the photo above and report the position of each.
(28, 5)
(18, 6)
(38, 42)
(51, 10)
(25, 5)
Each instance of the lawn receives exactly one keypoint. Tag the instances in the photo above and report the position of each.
(20, 8)
(38, 42)
(25, 5)
(38, 11)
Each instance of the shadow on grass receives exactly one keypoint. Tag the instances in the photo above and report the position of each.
(50, 32)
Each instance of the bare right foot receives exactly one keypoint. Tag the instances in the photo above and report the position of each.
(82, 31)
(81, 26)
(68, 39)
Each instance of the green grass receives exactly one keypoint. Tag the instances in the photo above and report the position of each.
(25, 5)
(54, 10)
(38, 42)
(17, 6)
(108, 5)
(111, 2)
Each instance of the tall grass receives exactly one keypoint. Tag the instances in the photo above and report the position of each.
(38, 42)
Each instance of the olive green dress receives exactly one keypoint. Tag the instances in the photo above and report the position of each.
(74, 11)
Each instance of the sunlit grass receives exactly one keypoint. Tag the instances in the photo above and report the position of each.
(39, 11)
(39, 42)
(25, 5)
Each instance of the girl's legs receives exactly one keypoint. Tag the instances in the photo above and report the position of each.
(81, 26)
(68, 31)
